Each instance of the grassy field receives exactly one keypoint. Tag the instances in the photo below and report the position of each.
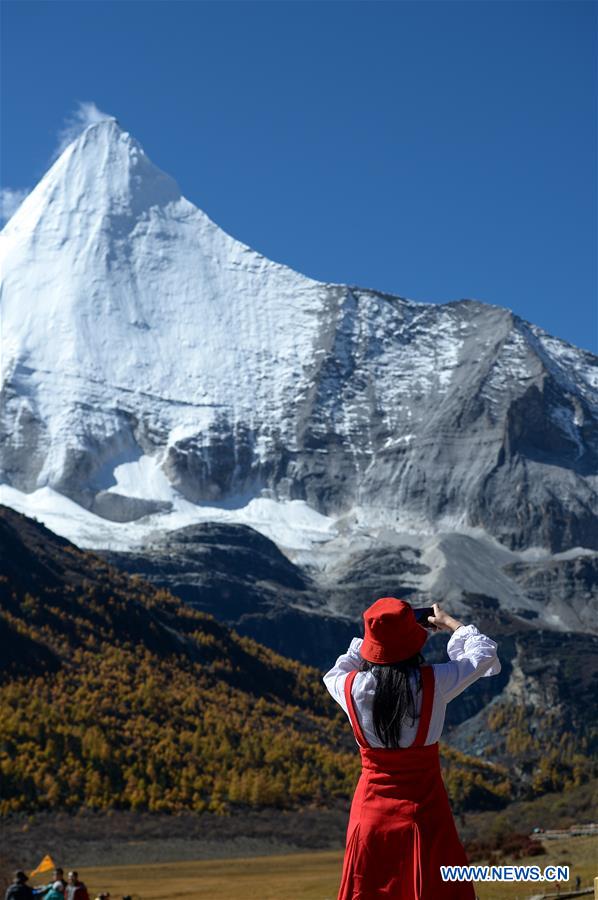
(300, 876)
(308, 876)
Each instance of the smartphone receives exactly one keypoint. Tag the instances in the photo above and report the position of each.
(421, 615)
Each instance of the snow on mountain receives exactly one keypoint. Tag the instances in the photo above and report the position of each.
(155, 372)
(114, 282)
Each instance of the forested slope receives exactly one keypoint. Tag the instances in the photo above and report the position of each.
(116, 695)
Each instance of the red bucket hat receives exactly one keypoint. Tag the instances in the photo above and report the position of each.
(392, 633)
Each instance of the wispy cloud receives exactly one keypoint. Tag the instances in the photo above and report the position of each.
(86, 113)
(10, 200)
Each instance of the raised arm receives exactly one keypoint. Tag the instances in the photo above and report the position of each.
(472, 655)
(335, 678)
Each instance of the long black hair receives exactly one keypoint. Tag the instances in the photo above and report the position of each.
(394, 699)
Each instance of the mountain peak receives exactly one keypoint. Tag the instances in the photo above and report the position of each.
(103, 172)
(106, 136)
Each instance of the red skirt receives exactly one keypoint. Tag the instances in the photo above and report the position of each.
(401, 828)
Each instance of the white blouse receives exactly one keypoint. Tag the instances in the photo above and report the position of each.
(472, 655)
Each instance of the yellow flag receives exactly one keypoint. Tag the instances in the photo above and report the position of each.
(45, 865)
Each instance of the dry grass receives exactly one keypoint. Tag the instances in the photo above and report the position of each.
(579, 853)
(300, 876)
(304, 876)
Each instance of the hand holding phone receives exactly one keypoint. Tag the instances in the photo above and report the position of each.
(443, 621)
(421, 616)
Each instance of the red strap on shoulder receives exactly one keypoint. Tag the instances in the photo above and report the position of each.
(428, 685)
(351, 708)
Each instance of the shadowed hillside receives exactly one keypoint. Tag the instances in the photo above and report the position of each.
(117, 695)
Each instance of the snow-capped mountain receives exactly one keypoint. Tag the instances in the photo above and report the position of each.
(156, 372)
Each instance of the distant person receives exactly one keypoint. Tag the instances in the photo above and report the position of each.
(56, 891)
(401, 829)
(59, 876)
(19, 889)
(58, 884)
(577, 882)
(75, 889)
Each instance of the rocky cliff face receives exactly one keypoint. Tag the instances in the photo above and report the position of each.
(311, 613)
(542, 723)
(240, 577)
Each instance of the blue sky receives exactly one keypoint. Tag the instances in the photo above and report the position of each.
(436, 150)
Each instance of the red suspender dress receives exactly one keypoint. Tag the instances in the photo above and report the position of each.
(401, 829)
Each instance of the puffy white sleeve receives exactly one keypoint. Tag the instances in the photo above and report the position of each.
(335, 678)
(472, 655)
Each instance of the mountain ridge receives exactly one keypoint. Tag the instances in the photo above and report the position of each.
(159, 373)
